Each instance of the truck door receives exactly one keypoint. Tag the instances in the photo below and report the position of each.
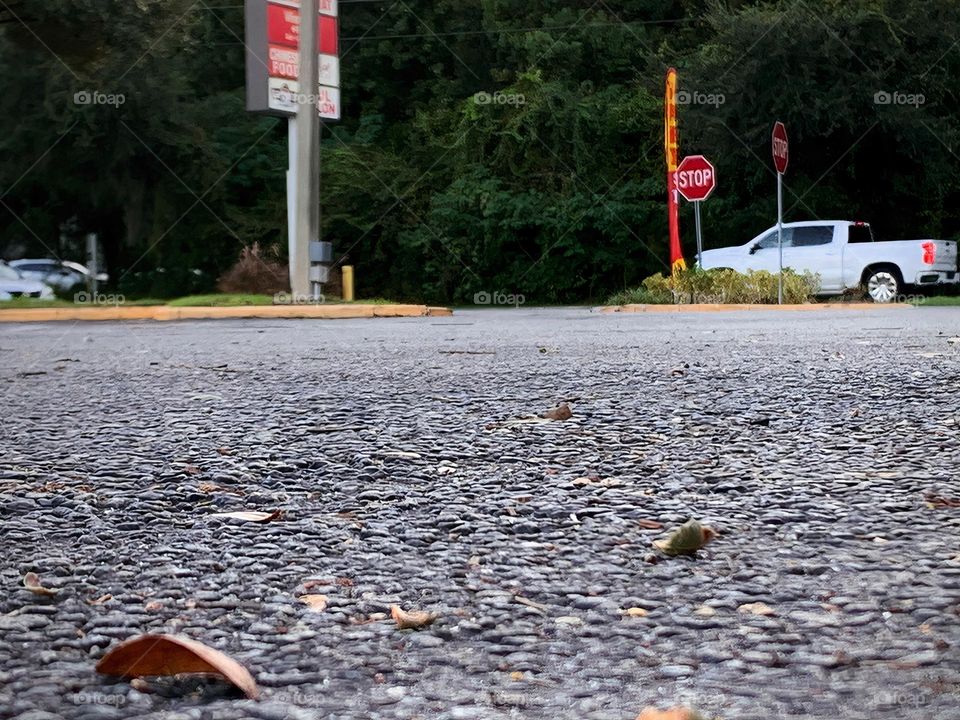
(816, 249)
(764, 254)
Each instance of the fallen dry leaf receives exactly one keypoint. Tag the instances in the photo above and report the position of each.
(315, 602)
(650, 524)
(411, 619)
(939, 501)
(250, 515)
(153, 606)
(209, 487)
(635, 612)
(705, 611)
(686, 539)
(560, 412)
(100, 600)
(674, 713)
(165, 655)
(31, 581)
(756, 608)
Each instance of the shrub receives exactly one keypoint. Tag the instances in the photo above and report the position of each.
(694, 285)
(256, 273)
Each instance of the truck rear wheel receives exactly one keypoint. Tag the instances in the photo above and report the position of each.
(883, 284)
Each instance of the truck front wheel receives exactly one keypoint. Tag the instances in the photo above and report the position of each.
(883, 284)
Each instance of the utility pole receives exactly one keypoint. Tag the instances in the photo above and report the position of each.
(307, 168)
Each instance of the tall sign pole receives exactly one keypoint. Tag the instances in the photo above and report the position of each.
(781, 156)
(307, 178)
(671, 145)
(282, 80)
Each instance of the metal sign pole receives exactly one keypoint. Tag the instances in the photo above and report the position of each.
(308, 150)
(780, 236)
(292, 194)
(696, 210)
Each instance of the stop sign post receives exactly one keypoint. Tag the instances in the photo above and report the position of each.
(781, 156)
(696, 179)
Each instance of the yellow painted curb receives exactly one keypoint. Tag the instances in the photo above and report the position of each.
(165, 313)
(694, 307)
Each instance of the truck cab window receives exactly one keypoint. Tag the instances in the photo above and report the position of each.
(770, 239)
(812, 236)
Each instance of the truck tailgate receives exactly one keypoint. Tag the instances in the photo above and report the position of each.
(946, 255)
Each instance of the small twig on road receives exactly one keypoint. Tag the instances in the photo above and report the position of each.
(531, 604)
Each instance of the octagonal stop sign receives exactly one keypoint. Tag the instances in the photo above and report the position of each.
(696, 178)
(781, 147)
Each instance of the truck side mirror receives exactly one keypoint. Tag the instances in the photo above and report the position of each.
(754, 248)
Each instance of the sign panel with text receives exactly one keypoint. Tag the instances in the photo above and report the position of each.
(272, 57)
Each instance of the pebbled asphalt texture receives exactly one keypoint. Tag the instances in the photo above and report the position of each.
(412, 470)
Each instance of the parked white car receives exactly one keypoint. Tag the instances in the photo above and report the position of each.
(13, 285)
(845, 256)
(60, 274)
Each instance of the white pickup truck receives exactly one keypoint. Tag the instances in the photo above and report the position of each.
(845, 256)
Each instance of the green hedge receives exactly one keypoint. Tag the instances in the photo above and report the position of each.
(720, 287)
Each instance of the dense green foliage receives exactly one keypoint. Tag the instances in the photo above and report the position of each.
(554, 190)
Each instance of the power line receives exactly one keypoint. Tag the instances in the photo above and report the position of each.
(461, 33)
(361, 38)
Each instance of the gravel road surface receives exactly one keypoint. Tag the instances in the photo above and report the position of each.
(812, 442)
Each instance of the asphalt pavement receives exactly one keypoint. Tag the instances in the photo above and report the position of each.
(413, 470)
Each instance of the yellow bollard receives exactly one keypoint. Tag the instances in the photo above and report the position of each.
(347, 283)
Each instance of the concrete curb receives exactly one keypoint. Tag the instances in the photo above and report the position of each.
(165, 313)
(725, 308)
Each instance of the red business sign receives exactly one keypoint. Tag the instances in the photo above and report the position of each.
(696, 178)
(283, 28)
(781, 147)
(283, 25)
(283, 62)
(273, 60)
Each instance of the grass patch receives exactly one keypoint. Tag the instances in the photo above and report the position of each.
(22, 303)
(212, 300)
(28, 303)
(221, 300)
(938, 301)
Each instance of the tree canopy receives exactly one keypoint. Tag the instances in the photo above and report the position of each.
(494, 145)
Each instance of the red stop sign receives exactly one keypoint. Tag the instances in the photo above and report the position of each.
(696, 178)
(781, 147)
